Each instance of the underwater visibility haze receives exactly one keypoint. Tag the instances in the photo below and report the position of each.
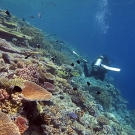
(90, 28)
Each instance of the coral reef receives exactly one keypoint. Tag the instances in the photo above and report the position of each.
(49, 77)
(33, 92)
(21, 122)
(104, 98)
(53, 96)
(7, 127)
(29, 73)
(102, 120)
(50, 87)
(6, 83)
(6, 46)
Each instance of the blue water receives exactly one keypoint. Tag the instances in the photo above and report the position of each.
(92, 27)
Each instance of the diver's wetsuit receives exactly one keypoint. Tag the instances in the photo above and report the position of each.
(100, 73)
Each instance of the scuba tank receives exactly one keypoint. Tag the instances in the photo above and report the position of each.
(98, 63)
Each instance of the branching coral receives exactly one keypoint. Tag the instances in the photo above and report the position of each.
(61, 57)
(29, 73)
(90, 108)
(3, 94)
(47, 119)
(7, 127)
(36, 34)
(104, 98)
(77, 97)
(102, 120)
(11, 105)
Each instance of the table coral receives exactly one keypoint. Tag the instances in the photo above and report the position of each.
(33, 92)
(49, 77)
(7, 127)
(51, 67)
(6, 46)
(50, 87)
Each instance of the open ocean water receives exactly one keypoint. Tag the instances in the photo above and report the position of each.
(92, 27)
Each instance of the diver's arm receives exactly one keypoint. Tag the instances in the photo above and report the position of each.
(110, 68)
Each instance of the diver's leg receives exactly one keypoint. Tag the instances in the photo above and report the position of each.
(86, 71)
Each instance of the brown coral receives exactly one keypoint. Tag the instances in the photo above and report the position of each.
(29, 73)
(47, 119)
(50, 87)
(33, 92)
(5, 46)
(102, 120)
(3, 94)
(49, 77)
(21, 122)
(7, 127)
(70, 131)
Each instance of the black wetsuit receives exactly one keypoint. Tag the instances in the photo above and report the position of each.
(100, 73)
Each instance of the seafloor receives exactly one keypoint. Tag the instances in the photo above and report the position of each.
(42, 94)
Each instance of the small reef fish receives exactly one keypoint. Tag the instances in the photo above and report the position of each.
(72, 64)
(23, 19)
(8, 13)
(53, 58)
(32, 17)
(27, 56)
(88, 83)
(38, 46)
(39, 15)
(17, 89)
(78, 61)
(75, 88)
(98, 92)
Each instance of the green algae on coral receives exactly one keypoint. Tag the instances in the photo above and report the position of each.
(7, 83)
(75, 73)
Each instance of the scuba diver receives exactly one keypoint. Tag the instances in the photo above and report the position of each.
(99, 67)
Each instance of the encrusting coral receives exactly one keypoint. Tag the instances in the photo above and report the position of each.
(21, 122)
(3, 95)
(7, 127)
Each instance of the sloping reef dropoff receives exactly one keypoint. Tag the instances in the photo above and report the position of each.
(42, 94)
